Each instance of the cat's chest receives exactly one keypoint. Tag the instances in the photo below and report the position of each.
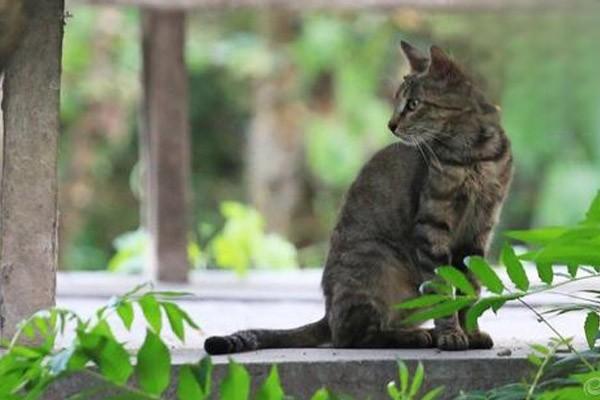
(465, 186)
(472, 192)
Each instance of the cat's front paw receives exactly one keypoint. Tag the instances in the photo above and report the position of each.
(452, 340)
(480, 340)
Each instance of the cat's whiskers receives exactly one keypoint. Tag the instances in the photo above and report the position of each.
(418, 146)
(435, 159)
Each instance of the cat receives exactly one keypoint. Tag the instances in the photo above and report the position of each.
(430, 199)
(12, 25)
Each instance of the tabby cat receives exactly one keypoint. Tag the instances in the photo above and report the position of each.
(12, 23)
(430, 199)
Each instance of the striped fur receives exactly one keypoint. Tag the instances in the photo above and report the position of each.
(432, 199)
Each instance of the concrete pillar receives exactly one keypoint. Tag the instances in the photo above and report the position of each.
(165, 143)
(28, 188)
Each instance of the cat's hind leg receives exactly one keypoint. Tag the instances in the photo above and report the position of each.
(362, 325)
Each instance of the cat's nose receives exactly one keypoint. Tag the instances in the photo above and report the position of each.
(392, 125)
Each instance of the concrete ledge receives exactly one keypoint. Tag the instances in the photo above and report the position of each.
(359, 373)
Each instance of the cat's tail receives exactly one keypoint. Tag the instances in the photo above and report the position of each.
(311, 335)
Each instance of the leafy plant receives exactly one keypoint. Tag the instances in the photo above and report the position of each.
(243, 243)
(571, 253)
(132, 252)
(27, 370)
(409, 390)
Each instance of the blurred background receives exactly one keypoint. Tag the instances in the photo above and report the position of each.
(285, 107)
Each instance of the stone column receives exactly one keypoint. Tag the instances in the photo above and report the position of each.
(165, 143)
(28, 187)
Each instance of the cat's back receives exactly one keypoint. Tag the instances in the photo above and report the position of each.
(383, 198)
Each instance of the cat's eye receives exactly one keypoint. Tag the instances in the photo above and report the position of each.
(411, 104)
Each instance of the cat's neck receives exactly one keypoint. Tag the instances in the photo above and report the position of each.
(485, 143)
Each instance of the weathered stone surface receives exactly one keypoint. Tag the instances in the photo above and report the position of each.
(360, 373)
(28, 192)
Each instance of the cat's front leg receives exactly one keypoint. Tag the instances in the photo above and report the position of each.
(432, 234)
(477, 338)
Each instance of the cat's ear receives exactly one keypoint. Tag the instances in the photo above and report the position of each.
(417, 60)
(442, 67)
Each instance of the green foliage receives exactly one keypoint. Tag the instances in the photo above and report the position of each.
(514, 268)
(574, 246)
(240, 244)
(243, 243)
(342, 63)
(153, 366)
(486, 275)
(236, 385)
(195, 381)
(132, 252)
(409, 390)
(354, 52)
(457, 279)
(591, 326)
(27, 370)
(271, 389)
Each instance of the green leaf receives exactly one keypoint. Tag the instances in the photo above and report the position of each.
(582, 253)
(102, 328)
(403, 375)
(153, 369)
(321, 394)
(422, 301)
(188, 388)
(593, 213)
(482, 305)
(592, 323)
(175, 319)
(151, 309)
(433, 394)
(437, 286)
(271, 389)
(125, 312)
(236, 385)
(457, 279)
(474, 312)
(444, 309)
(537, 236)
(485, 274)
(203, 373)
(545, 272)
(572, 268)
(417, 380)
(540, 349)
(514, 268)
(535, 360)
(79, 360)
(108, 354)
(393, 392)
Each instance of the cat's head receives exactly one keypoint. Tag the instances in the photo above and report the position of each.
(436, 101)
